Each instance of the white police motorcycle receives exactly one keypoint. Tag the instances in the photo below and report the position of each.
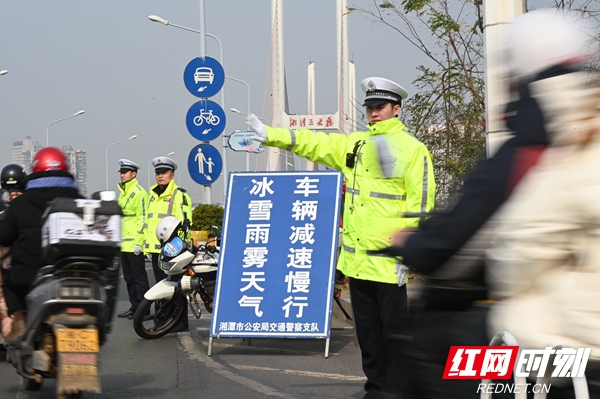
(191, 273)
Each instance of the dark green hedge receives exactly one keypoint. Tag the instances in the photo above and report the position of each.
(206, 215)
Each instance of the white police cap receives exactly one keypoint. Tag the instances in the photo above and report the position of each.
(381, 91)
(126, 165)
(162, 164)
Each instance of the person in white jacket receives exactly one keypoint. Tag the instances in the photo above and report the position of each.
(544, 262)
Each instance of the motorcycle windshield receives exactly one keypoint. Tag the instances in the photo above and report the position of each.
(173, 248)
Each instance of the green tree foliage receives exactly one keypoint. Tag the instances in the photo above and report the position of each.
(206, 215)
(447, 112)
(448, 109)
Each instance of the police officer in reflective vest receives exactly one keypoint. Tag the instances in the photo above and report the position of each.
(375, 200)
(165, 199)
(133, 200)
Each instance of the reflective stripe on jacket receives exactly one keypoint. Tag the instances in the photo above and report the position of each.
(373, 204)
(133, 200)
(173, 201)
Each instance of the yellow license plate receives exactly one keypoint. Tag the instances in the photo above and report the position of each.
(77, 340)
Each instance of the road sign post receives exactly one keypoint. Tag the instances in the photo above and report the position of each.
(204, 77)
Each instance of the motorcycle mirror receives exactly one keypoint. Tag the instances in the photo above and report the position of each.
(216, 232)
(104, 195)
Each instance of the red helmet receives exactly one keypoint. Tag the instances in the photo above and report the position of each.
(48, 159)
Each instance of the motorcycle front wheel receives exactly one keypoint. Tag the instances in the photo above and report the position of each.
(167, 312)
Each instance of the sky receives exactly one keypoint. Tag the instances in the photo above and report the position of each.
(107, 58)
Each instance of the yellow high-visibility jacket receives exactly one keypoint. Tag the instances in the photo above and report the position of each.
(374, 205)
(133, 200)
(173, 201)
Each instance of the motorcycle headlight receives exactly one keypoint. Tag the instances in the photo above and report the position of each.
(166, 266)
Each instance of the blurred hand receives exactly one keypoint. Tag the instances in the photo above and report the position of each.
(258, 127)
(400, 237)
(137, 249)
(385, 159)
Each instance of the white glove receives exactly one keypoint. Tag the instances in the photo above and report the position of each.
(402, 272)
(258, 127)
(137, 249)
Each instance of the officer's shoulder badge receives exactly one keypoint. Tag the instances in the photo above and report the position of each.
(183, 190)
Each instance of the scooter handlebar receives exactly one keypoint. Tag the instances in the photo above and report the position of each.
(390, 251)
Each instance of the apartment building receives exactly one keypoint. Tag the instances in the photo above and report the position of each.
(24, 151)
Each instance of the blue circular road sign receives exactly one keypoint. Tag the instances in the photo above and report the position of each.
(204, 77)
(205, 164)
(205, 120)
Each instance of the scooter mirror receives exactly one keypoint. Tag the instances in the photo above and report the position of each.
(216, 232)
(108, 195)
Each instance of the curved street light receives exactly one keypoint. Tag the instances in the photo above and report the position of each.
(111, 144)
(62, 119)
(3, 72)
(286, 154)
(150, 161)
(179, 176)
(237, 111)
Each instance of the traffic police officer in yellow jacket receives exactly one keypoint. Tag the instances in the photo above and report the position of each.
(372, 213)
(133, 200)
(166, 199)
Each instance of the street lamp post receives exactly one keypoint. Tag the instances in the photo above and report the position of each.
(168, 155)
(179, 176)
(237, 111)
(286, 158)
(248, 87)
(111, 144)
(61, 119)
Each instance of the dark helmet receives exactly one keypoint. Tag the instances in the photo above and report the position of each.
(49, 159)
(13, 177)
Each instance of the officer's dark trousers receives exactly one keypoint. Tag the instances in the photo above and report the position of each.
(379, 312)
(160, 275)
(134, 274)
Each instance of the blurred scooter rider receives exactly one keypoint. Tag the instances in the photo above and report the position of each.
(166, 199)
(21, 228)
(12, 178)
(133, 199)
(372, 209)
(450, 248)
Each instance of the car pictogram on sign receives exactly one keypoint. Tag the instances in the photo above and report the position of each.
(204, 74)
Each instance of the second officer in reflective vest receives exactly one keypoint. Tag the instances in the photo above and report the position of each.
(166, 199)
(133, 200)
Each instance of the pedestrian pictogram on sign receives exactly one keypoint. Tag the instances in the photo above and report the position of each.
(204, 164)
